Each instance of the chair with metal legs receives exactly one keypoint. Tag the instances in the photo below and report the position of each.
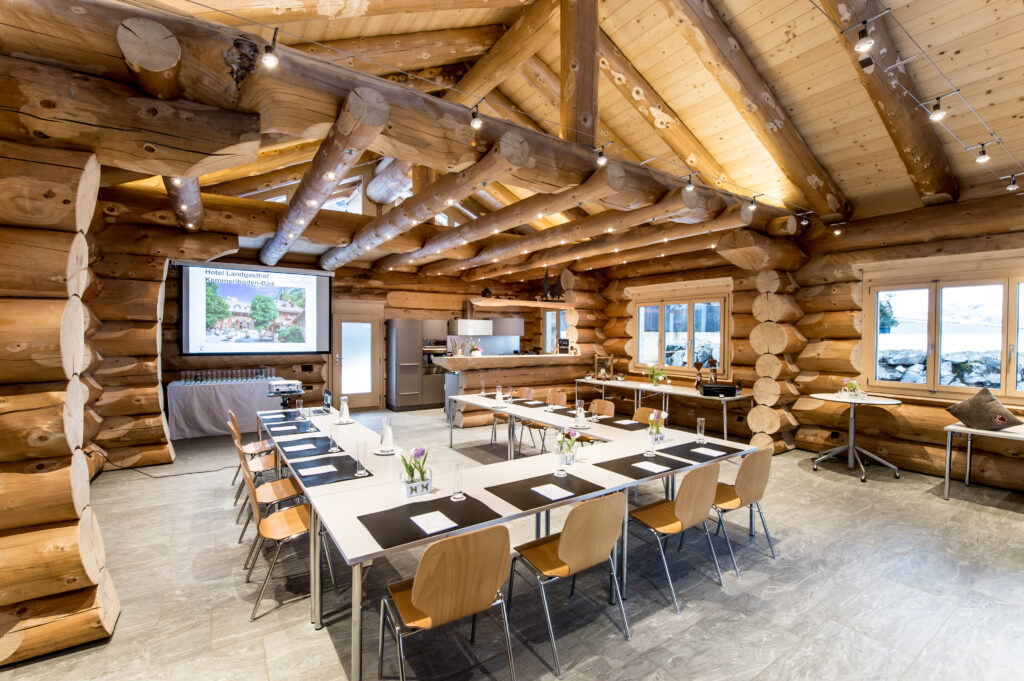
(555, 398)
(665, 519)
(587, 539)
(258, 465)
(751, 481)
(457, 578)
(598, 408)
(521, 394)
(269, 494)
(252, 449)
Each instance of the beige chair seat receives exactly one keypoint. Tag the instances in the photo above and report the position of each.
(277, 490)
(726, 497)
(543, 554)
(262, 464)
(290, 522)
(261, 447)
(412, 617)
(659, 516)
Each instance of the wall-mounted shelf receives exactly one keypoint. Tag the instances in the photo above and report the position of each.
(499, 302)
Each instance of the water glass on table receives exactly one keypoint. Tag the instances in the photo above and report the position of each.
(360, 454)
(700, 430)
(457, 493)
(298, 407)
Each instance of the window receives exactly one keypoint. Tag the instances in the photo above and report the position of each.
(555, 328)
(681, 331)
(946, 335)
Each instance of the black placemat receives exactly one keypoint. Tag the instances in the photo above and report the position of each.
(344, 469)
(394, 527)
(322, 444)
(685, 451)
(623, 426)
(520, 494)
(304, 426)
(624, 466)
(288, 414)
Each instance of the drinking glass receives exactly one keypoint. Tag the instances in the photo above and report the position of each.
(298, 406)
(482, 391)
(457, 493)
(559, 465)
(497, 393)
(361, 472)
(700, 431)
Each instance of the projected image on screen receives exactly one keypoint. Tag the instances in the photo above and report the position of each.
(253, 311)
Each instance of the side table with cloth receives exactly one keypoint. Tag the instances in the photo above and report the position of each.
(851, 449)
(201, 409)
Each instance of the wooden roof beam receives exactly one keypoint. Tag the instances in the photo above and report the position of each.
(607, 180)
(656, 111)
(578, 37)
(700, 204)
(391, 178)
(509, 153)
(621, 262)
(383, 54)
(186, 201)
(751, 96)
(895, 99)
(255, 184)
(361, 119)
(433, 79)
(638, 237)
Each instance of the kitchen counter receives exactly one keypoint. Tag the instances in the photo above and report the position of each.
(508, 361)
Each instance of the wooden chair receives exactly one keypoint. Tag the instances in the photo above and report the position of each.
(457, 577)
(251, 449)
(603, 407)
(751, 481)
(522, 393)
(269, 494)
(555, 398)
(279, 527)
(590, 533)
(643, 415)
(691, 508)
(258, 464)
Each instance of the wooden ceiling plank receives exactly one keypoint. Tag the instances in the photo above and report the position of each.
(578, 38)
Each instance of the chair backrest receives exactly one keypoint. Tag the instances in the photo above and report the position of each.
(752, 477)
(557, 398)
(460, 576)
(696, 495)
(234, 422)
(250, 487)
(524, 393)
(603, 407)
(590, 531)
(643, 415)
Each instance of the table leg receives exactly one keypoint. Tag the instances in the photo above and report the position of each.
(511, 437)
(536, 528)
(949, 458)
(664, 402)
(547, 523)
(967, 475)
(625, 542)
(356, 672)
(315, 576)
(725, 420)
(852, 447)
(576, 390)
(451, 420)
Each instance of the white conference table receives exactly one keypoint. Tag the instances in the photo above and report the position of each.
(665, 390)
(337, 507)
(958, 428)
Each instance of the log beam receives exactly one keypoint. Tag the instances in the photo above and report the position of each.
(391, 179)
(509, 153)
(51, 107)
(186, 202)
(894, 96)
(722, 55)
(750, 250)
(153, 56)
(47, 188)
(361, 118)
(578, 107)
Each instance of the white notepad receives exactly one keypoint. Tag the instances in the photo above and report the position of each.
(317, 470)
(706, 450)
(601, 417)
(553, 492)
(652, 467)
(281, 429)
(626, 422)
(433, 522)
(270, 417)
(533, 402)
(299, 448)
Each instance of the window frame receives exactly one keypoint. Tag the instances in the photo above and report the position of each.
(724, 300)
(560, 323)
(1003, 269)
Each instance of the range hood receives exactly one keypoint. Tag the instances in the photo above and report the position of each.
(470, 327)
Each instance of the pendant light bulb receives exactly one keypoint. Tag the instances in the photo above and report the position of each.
(837, 231)
(864, 41)
(475, 121)
(752, 205)
(689, 184)
(269, 57)
(983, 156)
(1012, 187)
(937, 113)
(602, 160)
(804, 221)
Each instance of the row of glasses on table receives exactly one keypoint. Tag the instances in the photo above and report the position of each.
(226, 375)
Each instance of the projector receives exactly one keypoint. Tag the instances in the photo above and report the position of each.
(281, 386)
(717, 389)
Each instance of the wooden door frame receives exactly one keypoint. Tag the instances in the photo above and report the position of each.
(357, 310)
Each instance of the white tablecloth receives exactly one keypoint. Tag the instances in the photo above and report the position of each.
(198, 410)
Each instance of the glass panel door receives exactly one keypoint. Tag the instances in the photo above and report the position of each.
(359, 360)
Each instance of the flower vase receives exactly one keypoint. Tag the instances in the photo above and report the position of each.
(565, 457)
(415, 488)
(476, 353)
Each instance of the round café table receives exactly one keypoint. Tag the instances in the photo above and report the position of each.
(851, 449)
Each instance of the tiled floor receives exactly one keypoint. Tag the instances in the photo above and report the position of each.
(882, 580)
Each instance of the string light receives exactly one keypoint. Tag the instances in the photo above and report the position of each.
(475, 121)
(689, 184)
(837, 231)
(330, 175)
(804, 221)
(1012, 187)
(183, 206)
(938, 113)
(983, 156)
(177, 181)
(270, 59)
(602, 160)
(864, 41)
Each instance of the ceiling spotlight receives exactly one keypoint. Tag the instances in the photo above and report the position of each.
(837, 231)
(475, 121)
(540, 216)
(189, 225)
(183, 206)
(804, 221)
(864, 41)
(311, 203)
(937, 113)
(450, 202)
(602, 160)
(983, 156)
(330, 175)
(689, 184)
(1012, 187)
(752, 205)
(713, 246)
(269, 57)
(177, 181)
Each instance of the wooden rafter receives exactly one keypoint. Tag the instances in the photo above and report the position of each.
(723, 57)
(186, 201)
(578, 38)
(661, 249)
(894, 97)
(656, 111)
(255, 184)
(360, 121)
(509, 153)
(432, 79)
(605, 181)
